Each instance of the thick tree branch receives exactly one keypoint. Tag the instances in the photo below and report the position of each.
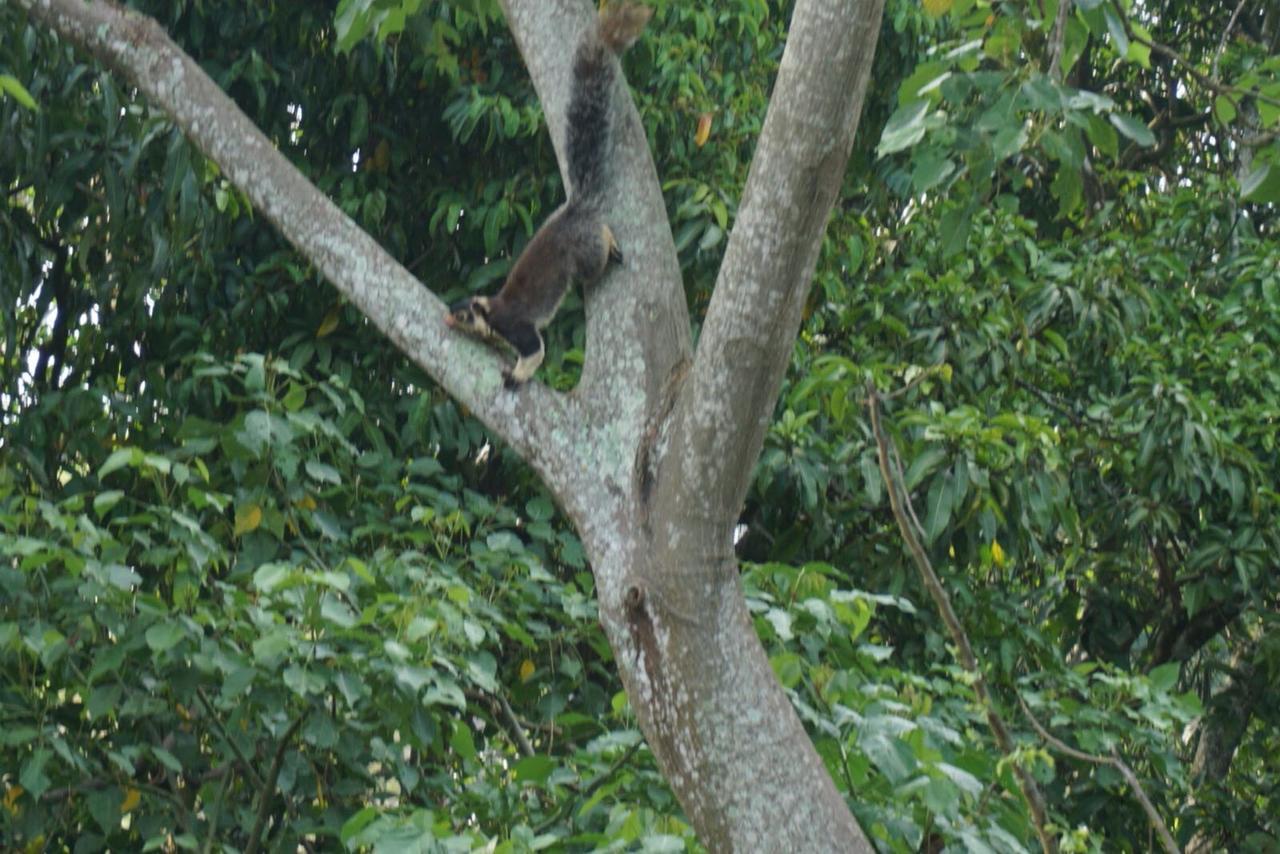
(1177, 637)
(1219, 733)
(535, 421)
(755, 312)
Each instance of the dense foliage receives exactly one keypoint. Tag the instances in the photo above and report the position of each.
(263, 584)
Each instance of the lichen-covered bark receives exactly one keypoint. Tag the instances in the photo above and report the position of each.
(651, 455)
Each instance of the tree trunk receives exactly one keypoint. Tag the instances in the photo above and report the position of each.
(652, 455)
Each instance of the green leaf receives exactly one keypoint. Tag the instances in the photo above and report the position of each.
(414, 678)
(461, 741)
(323, 473)
(295, 398)
(1134, 129)
(302, 681)
(781, 622)
(1269, 110)
(938, 506)
(10, 86)
(352, 22)
(923, 465)
(164, 635)
(956, 224)
(1116, 29)
(104, 807)
(357, 823)
(338, 612)
(927, 76)
(931, 169)
(270, 576)
(1262, 184)
(269, 649)
(1165, 677)
(120, 577)
(167, 759)
(1103, 136)
(119, 459)
(104, 501)
(32, 776)
(941, 797)
(534, 769)
(789, 669)
(904, 129)
(711, 238)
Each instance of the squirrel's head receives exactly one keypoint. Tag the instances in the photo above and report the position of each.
(470, 315)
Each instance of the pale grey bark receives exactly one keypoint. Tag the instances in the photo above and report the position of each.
(652, 455)
(714, 713)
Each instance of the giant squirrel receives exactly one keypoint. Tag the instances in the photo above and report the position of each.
(574, 243)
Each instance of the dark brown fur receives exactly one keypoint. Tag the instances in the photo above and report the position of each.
(574, 244)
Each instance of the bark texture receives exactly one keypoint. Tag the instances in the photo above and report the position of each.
(652, 454)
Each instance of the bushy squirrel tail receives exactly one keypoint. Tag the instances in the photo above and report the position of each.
(587, 134)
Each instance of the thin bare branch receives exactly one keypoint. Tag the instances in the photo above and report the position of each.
(1212, 84)
(1226, 34)
(1058, 38)
(900, 502)
(499, 706)
(269, 787)
(1157, 823)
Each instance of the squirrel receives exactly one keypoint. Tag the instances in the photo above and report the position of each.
(574, 243)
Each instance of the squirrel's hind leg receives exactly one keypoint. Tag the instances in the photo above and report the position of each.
(611, 245)
(528, 345)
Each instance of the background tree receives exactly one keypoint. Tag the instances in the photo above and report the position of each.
(268, 583)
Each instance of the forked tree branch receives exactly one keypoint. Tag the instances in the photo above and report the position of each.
(1130, 778)
(537, 422)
